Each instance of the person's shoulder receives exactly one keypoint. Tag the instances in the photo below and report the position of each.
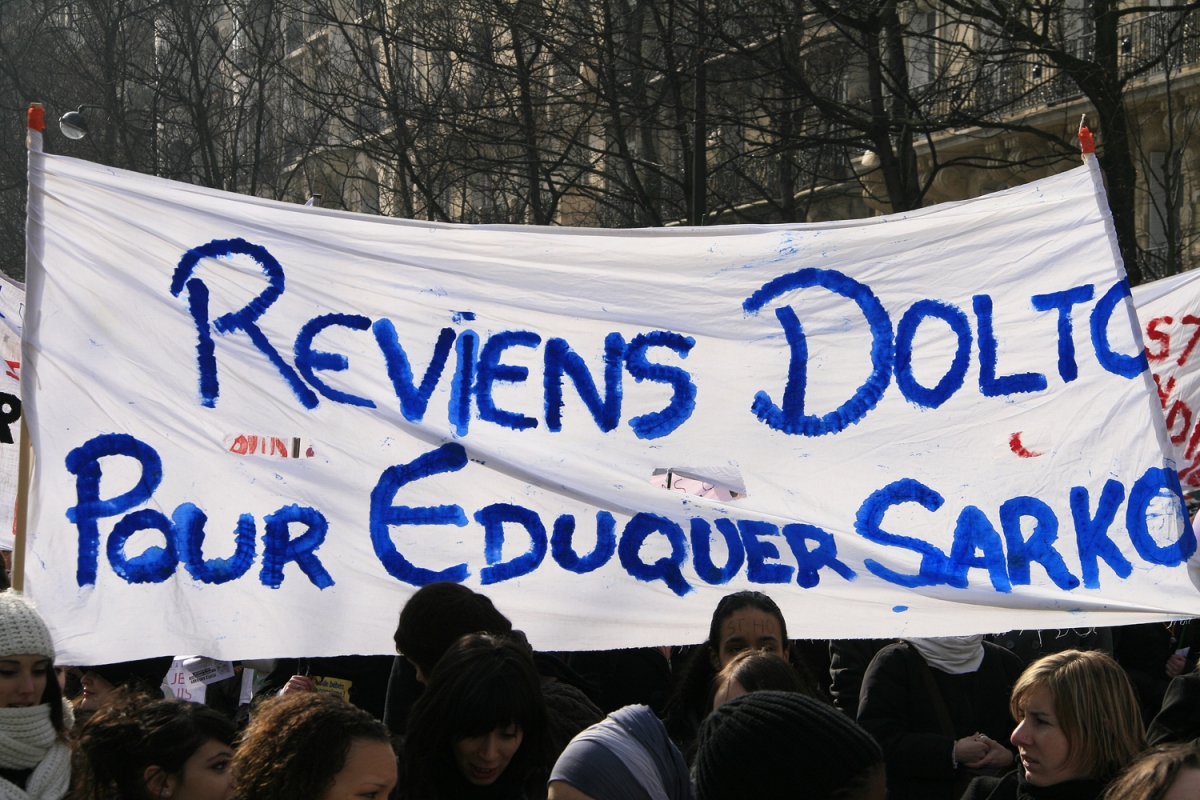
(569, 709)
(1010, 660)
(1187, 684)
(894, 657)
(893, 663)
(1183, 690)
(893, 652)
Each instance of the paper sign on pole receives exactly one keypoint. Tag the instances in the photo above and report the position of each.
(178, 681)
(276, 422)
(207, 670)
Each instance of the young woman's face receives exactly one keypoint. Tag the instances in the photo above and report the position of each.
(95, 688)
(206, 775)
(23, 680)
(368, 774)
(749, 629)
(483, 759)
(1043, 744)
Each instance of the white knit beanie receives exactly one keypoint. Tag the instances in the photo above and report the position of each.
(22, 631)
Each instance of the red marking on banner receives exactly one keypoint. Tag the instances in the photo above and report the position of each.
(1190, 475)
(1187, 351)
(277, 446)
(1163, 396)
(1195, 440)
(1164, 338)
(1177, 408)
(240, 446)
(37, 117)
(1014, 444)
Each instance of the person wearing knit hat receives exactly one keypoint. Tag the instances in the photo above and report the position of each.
(35, 762)
(783, 744)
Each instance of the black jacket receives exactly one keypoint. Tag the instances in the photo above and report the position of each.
(896, 708)
(639, 676)
(848, 662)
(1014, 787)
(1179, 720)
(1143, 651)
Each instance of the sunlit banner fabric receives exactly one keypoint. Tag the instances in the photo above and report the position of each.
(260, 427)
(1169, 311)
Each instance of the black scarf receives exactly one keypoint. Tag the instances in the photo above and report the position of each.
(1079, 789)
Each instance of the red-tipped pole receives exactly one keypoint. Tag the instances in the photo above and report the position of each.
(33, 238)
(37, 117)
(1086, 142)
(37, 124)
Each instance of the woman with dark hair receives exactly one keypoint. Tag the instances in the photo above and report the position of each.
(1167, 772)
(480, 730)
(741, 621)
(34, 759)
(437, 616)
(754, 671)
(313, 746)
(98, 682)
(139, 747)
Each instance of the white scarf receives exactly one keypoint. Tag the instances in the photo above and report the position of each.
(957, 655)
(28, 740)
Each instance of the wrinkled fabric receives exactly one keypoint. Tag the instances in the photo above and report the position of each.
(957, 655)
(626, 756)
(174, 332)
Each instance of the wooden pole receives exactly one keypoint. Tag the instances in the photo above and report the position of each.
(33, 255)
(24, 471)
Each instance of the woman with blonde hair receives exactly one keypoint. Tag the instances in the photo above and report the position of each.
(1079, 725)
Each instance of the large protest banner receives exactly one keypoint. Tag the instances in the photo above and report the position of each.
(1169, 312)
(12, 309)
(259, 427)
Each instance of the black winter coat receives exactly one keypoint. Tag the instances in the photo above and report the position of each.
(1014, 787)
(638, 676)
(1143, 651)
(896, 708)
(848, 662)
(1179, 720)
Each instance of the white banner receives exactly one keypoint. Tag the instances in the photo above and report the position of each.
(12, 310)
(1169, 310)
(259, 427)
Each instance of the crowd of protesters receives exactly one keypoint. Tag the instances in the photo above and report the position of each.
(469, 711)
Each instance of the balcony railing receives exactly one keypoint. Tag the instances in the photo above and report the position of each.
(1156, 43)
